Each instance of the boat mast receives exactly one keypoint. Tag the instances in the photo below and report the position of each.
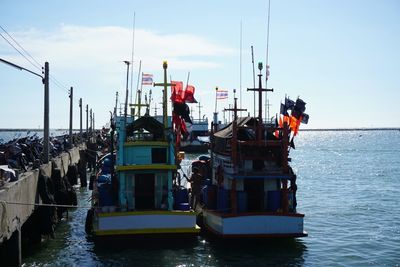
(116, 103)
(235, 109)
(133, 52)
(254, 82)
(199, 111)
(165, 84)
(267, 54)
(127, 91)
(260, 91)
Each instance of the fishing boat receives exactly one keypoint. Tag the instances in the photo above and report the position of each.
(134, 193)
(249, 188)
(198, 140)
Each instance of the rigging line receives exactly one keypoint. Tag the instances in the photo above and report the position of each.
(266, 60)
(133, 50)
(15, 41)
(19, 52)
(240, 71)
(268, 23)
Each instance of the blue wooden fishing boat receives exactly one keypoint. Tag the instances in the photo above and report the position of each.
(137, 194)
(249, 188)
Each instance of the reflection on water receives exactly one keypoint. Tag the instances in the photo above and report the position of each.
(72, 247)
(347, 189)
(202, 251)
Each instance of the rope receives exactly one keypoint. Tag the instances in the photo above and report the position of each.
(45, 205)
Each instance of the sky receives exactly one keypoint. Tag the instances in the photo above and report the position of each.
(340, 56)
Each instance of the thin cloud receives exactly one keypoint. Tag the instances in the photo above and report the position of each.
(78, 47)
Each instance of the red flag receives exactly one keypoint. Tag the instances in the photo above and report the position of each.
(189, 94)
(296, 130)
(177, 94)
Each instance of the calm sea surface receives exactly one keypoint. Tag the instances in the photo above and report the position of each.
(348, 188)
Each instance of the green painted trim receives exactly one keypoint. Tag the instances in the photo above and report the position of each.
(193, 230)
(153, 212)
(146, 167)
(146, 143)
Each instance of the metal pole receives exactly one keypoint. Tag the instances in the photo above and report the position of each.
(254, 82)
(71, 95)
(116, 104)
(87, 120)
(80, 121)
(46, 127)
(127, 90)
(94, 127)
(165, 93)
(91, 121)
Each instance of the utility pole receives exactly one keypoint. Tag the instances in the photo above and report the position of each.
(46, 127)
(93, 123)
(87, 120)
(71, 95)
(80, 121)
(45, 81)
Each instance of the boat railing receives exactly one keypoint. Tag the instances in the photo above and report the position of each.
(226, 163)
(140, 137)
(200, 121)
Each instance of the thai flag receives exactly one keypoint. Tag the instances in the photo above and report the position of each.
(222, 94)
(147, 79)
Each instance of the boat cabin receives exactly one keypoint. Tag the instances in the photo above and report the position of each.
(145, 165)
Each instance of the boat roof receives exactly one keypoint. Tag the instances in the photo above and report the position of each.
(226, 132)
(147, 123)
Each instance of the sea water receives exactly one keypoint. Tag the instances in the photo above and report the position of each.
(348, 189)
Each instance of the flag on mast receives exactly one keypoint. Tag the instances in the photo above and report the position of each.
(147, 79)
(222, 94)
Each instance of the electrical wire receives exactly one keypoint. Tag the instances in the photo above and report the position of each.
(16, 49)
(38, 65)
(35, 63)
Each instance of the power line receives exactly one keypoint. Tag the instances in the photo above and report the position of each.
(15, 41)
(33, 64)
(58, 83)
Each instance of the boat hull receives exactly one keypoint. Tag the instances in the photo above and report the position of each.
(195, 148)
(146, 223)
(253, 225)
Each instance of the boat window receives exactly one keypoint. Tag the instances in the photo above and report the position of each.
(159, 155)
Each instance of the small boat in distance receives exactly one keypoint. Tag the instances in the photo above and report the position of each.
(247, 178)
(138, 196)
(198, 140)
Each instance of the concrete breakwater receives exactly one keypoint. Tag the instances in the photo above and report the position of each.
(23, 199)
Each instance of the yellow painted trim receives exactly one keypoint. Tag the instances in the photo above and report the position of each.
(153, 212)
(146, 143)
(146, 167)
(148, 231)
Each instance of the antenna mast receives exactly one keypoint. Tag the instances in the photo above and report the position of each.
(254, 82)
(266, 61)
(240, 72)
(133, 52)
